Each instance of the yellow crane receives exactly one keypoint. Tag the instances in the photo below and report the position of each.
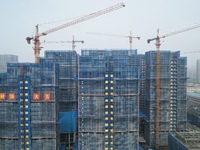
(73, 42)
(36, 38)
(157, 39)
(126, 36)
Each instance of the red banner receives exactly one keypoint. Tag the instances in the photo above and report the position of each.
(47, 96)
(36, 96)
(2, 96)
(11, 96)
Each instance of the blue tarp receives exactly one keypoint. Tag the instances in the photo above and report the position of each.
(62, 147)
(76, 145)
(68, 121)
(141, 115)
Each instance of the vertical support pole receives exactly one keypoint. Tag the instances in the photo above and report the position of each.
(36, 47)
(157, 89)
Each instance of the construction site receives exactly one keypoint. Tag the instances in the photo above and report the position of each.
(100, 99)
(92, 101)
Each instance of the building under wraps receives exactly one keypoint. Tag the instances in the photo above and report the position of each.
(105, 87)
(173, 77)
(29, 107)
(108, 94)
(46, 95)
(68, 93)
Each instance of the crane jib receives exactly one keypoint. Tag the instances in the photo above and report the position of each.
(84, 18)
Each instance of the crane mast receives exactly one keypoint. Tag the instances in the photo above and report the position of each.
(73, 42)
(37, 47)
(36, 40)
(131, 39)
(157, 87)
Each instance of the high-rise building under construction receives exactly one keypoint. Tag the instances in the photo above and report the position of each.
(108, 92)
(172, 102)
(106, 87)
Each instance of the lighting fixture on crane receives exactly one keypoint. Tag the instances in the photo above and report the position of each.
(36, 40)
(129, 36)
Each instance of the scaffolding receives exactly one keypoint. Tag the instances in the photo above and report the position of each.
(68, 95)
(67, 79)
(8, 116)
(108, 92)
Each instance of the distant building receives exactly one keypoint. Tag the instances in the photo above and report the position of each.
(4, 59)
(198, 71)
(193, 108)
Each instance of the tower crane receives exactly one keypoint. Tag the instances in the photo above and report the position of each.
(73, 42)
(158, 44)
(126, 36)
(36, 38)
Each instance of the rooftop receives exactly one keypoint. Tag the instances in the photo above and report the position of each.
(191, 140)
(194, 94)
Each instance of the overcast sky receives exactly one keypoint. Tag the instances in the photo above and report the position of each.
(142, 17)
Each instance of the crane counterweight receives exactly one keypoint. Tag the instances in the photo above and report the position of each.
(28, 39)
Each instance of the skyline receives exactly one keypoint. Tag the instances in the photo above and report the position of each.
(141, 17)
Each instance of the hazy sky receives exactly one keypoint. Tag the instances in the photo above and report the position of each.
(142, 17)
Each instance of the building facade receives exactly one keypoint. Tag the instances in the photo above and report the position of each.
(51, 86)
(29, 107)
